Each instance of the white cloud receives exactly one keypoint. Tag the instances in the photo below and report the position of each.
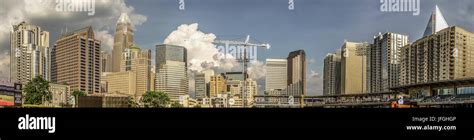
(312, 61)
(202, 53)
(257, 70)
(106, 38)
(43, 14)
(315, 85)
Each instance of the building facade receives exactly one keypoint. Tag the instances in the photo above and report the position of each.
(123, 39)
(29, 53)
(353, 68)
(296, 73)
(122, 83)
(171, 70)
(276, 77)
(217, 85)
(332, 74)
(445, 55)
(61, 95)
(105, 62)
(138, 61)
(383, 61)
(75, 61)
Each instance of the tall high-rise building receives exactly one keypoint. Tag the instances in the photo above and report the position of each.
(75, 60)
(201, 83)
(296, 73)
(383, 61)
(29, 53)
(171, 70)
(445, 55)
(353, 68)
(152, 77)
(123, 39)
(105, 62)
(332, 73)
(138, 61)
(276, 78)
(441, 55)
(217, 85)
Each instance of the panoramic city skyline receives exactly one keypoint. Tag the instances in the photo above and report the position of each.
(306, 27)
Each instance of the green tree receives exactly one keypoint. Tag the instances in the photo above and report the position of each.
(176, 105)
(132, 103)
(155, 99)
(76, 94)
(37, 91)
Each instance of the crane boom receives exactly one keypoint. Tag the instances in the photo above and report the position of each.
(245, 60)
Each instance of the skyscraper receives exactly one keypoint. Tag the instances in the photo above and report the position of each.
(29, 53)
(442, 54)
(201, 83)
(353, 68)
(332, 74)
(276, 78)
(445, 55)
(138, 61)
(217, 85)
(105, 62)
(75, 60)
(383, 61)
(123, 39)
(296, 73)
(171, 70)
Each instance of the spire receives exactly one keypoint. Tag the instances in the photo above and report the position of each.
(124, 18)
(436, 22)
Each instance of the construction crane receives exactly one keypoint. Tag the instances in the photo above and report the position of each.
(246, 44)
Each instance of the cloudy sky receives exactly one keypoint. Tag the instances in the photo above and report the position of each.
(317, 26)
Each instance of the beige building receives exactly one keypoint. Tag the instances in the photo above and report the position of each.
(353, 68)
(444, 53)
(121, 83)
(152, 78)
(75, 60)
(61, 95)
(138, 61)
(123, 39)
(235, 91)
(217, 85)
(276, 77)
(29, 53)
